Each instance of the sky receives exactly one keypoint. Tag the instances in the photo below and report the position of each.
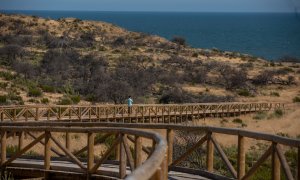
(154, 5)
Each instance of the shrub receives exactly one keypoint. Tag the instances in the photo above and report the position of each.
(278, 112)
(34, 101)
(244, 92)
(274, 94)
(3, 85)
(296, 99)
(7, 75)
(260, 115)
(65, 101)
(34, 92)
(179, 40)
(11, 149)
(75, 99)
(3, 99)
(45, 101)
(237, 120)
(47, 88)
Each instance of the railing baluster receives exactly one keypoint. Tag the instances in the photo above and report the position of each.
(123, 159)
(275, 163)
(210, 154)
(241, 157)
(3, 147)
(170, 141)
(21, 140)
(47, 153)
(138, 151)
(91, 143)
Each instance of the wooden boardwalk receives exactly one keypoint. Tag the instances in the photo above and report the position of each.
(133, 158)
(171, 113)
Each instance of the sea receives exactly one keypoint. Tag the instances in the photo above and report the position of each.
(267, 35)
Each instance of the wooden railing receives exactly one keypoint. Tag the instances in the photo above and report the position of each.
(155, 166)
(211, 142)
(166, 113)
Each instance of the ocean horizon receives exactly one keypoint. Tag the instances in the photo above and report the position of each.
(266, 35)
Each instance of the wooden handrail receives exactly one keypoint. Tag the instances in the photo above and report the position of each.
(143, 112)
(143, 171)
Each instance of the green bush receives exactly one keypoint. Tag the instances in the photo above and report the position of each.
(34, 101)
(260, 115)
(7, 75)
(65, 101)
(11, 149)
(47, 88)
(278, 112)
(296, 99)
(244, 92)
(75, 99)
(34, 92)
(237, 120)
(3, 85)
(3, 99)
(12, 95)
(45, 101)
(274, 94)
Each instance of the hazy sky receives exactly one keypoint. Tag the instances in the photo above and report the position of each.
(153, 5)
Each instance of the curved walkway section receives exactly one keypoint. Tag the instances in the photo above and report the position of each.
(68, 165)
(162, 156)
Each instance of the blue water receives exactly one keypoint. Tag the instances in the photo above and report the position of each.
(265, 35)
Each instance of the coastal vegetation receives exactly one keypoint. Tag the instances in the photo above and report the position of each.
(70, 60)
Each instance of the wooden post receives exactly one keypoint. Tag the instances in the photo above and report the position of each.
(298, 164)
(170, 140)
(47, 154)
(241, 157)
(275, 164)
(117, 150)
(21, 140)
(68, 141)
(37, 114)
(138, 151)
(90, 163)
(210, 154)
(123, 159)
(3, 146)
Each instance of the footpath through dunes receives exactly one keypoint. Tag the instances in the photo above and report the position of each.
(134, 150)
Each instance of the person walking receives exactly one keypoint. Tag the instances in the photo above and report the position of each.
(129, 102)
